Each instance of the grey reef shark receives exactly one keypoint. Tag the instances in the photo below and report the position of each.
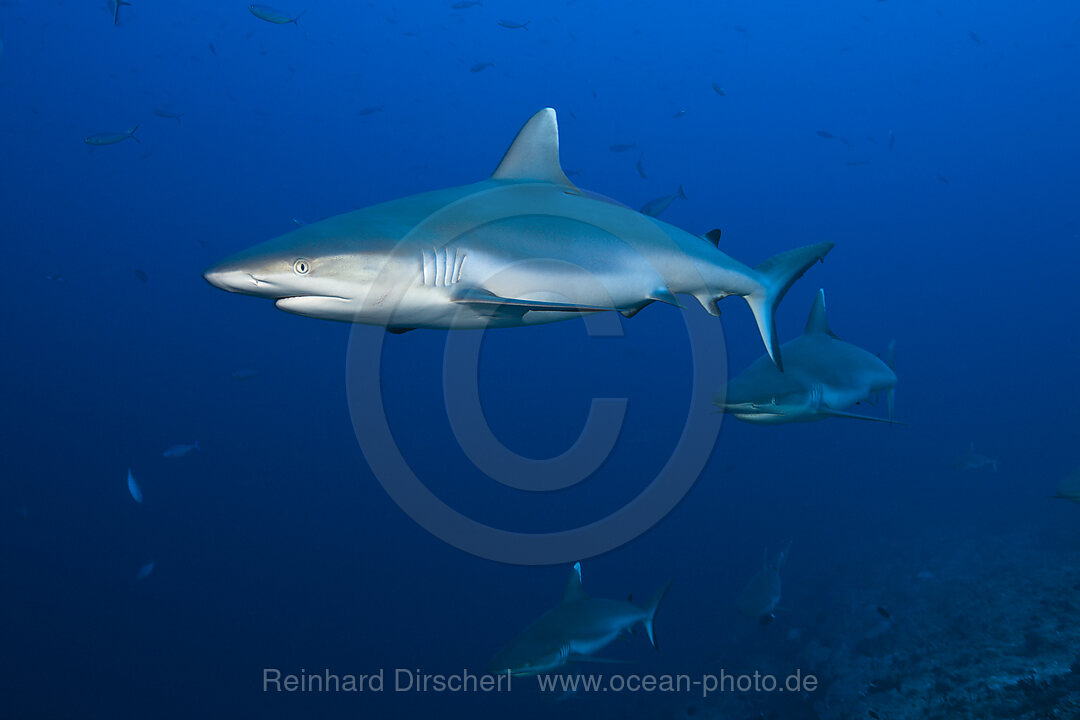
(522, 247)
(822, 376)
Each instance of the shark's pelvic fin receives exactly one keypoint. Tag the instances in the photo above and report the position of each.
(818, 323)
(665, 296)
(777, 275)
(573, 591)
(534, 154)
(479, 299)
(650, 611)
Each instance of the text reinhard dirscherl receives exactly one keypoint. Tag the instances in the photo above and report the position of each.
(408, 680)
(402, 680)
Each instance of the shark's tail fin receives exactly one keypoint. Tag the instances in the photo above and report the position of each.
(131, 134)
(650, 611)
(777, 275)
(890, 360)
(298, 16)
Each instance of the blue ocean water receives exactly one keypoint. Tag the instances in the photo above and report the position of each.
(934, 143)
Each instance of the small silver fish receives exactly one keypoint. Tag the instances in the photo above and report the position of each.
(509, 25)
(270, 15)
(718, 90)
(111, 138)
(179, 451)
(622, 147)
(133, 488)
(145, 570)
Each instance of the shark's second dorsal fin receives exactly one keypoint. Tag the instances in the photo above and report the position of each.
(573, 590)
(534, 154)
(817, 323)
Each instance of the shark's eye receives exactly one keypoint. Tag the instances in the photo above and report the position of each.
(301, 267)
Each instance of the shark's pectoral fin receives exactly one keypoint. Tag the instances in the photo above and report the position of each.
(825, 410)
(750, 408)
(488, 303)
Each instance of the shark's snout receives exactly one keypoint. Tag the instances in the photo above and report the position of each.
(228, 276)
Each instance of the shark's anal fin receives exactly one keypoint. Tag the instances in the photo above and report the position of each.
(479, 299)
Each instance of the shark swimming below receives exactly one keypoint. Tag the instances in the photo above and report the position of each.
(822, 376)
(524, 246)
(761, 595)
(573, 630)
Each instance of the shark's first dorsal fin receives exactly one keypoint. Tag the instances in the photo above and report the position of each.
(817, 323)
(573, 585)
(534, 154)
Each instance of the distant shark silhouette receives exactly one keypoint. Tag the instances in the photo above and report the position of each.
(1069, 488)
(761, 595)
(822, 375)
(524, 246)
(975, 461)
(573, 630)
